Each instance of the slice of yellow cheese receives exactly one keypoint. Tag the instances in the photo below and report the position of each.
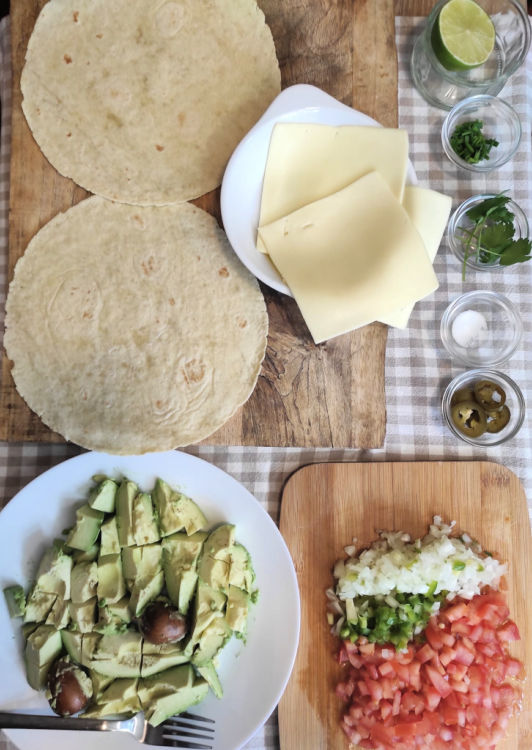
(429, 212)
(307, 162)
(350, 258)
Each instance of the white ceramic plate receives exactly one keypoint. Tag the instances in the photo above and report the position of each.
(253, 675)
(242, 182)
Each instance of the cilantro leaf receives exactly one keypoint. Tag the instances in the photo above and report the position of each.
(517, 252)
(491, 206)
(496, 237)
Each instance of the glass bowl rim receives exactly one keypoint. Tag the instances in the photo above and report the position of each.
(465, 377)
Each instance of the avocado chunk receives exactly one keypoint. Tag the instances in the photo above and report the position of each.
(170, 692)
(111, 585)
(208, 672)
(125, 496)
(42, 647)
(180, 557)
(176, 511)
(109, 544)
(118, 655)
(236, 614)
(28, 628)
(140, 563)
(102, 497)
(83, 582)
(99, 683)
(145, 529)
(72, 644)
(119, 697)
(83, 615)
(59, 615)
(144, 591)
(215, 562)
(53, 574)
(89, 643)
(212, 639)
(38, 605)
(86, 555)
(86, 529)
(15, 600)
(114, 617)
(158, 657)
(241, 571)
(208, 606)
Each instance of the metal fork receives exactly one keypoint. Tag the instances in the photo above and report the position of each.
(178, 731)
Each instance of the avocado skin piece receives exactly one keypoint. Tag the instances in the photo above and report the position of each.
(102, 497)
(87, 528)
(15, 600)
(170, 692)
(176, 511)
(125, 496)
(42, 647)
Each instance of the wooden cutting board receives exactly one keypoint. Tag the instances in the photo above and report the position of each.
(307, 395)
(325, 505)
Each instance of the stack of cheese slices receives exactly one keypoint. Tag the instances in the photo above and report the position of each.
(350, 239)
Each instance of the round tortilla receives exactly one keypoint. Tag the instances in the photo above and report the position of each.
(144, 102)
(134, 329)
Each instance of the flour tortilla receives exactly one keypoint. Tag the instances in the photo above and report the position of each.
(134, 329)
(143, 101)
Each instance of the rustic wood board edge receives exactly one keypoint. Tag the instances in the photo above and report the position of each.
(485, 498)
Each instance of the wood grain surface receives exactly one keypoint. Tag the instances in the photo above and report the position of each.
(325, 505)
(307, 395)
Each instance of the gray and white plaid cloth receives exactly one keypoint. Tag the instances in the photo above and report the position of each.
(417, 366)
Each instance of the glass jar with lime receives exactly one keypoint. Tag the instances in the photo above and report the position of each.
(469, 47)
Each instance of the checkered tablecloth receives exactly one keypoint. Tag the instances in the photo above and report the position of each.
(417, 366)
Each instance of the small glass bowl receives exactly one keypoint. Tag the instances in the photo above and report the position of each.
(514, 401)
(500, 121)
(500, 340)
(459, 219)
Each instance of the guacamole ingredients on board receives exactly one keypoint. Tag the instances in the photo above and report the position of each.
(490, 241)
(470, 144)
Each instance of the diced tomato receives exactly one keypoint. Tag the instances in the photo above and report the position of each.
(441, 685)
(508, 632)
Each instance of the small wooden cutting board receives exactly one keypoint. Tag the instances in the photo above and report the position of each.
(325, 505)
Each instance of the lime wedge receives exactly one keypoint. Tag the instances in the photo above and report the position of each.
(463, 35)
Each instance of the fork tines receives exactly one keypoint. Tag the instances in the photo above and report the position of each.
(186, 725)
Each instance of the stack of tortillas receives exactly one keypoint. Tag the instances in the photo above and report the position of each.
(134, 328)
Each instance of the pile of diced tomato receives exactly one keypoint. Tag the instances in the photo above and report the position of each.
(450, 690)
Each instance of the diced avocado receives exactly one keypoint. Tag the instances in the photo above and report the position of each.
(99, 683)
(119, 697)
(118, 655)
(141, 563)
(219, 540)
(89, 644)
(109, 544)
(215, 562)
(180, 556)
(87, 528)
(72, 644)
(208, 672)
(113, 616)
(211, 640)
(170, 692)
(28, 628)
(38, 605)
(208, 605)
(144, 591)
(124, 512)
(83, 615)
(176, 511)
(158, 657)
(241, 571)
(83, 581)
(111, 584)
(102, 497)
(59, 615)
(53, 574)
(214, 572)
(86, 556)
(42, 647)
(15, 600)
(236, 614)
(145, 528)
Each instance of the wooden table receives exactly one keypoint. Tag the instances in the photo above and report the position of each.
(330, 395)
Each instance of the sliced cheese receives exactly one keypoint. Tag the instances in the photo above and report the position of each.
(429, 212)
(307, 162)
(350, 258)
